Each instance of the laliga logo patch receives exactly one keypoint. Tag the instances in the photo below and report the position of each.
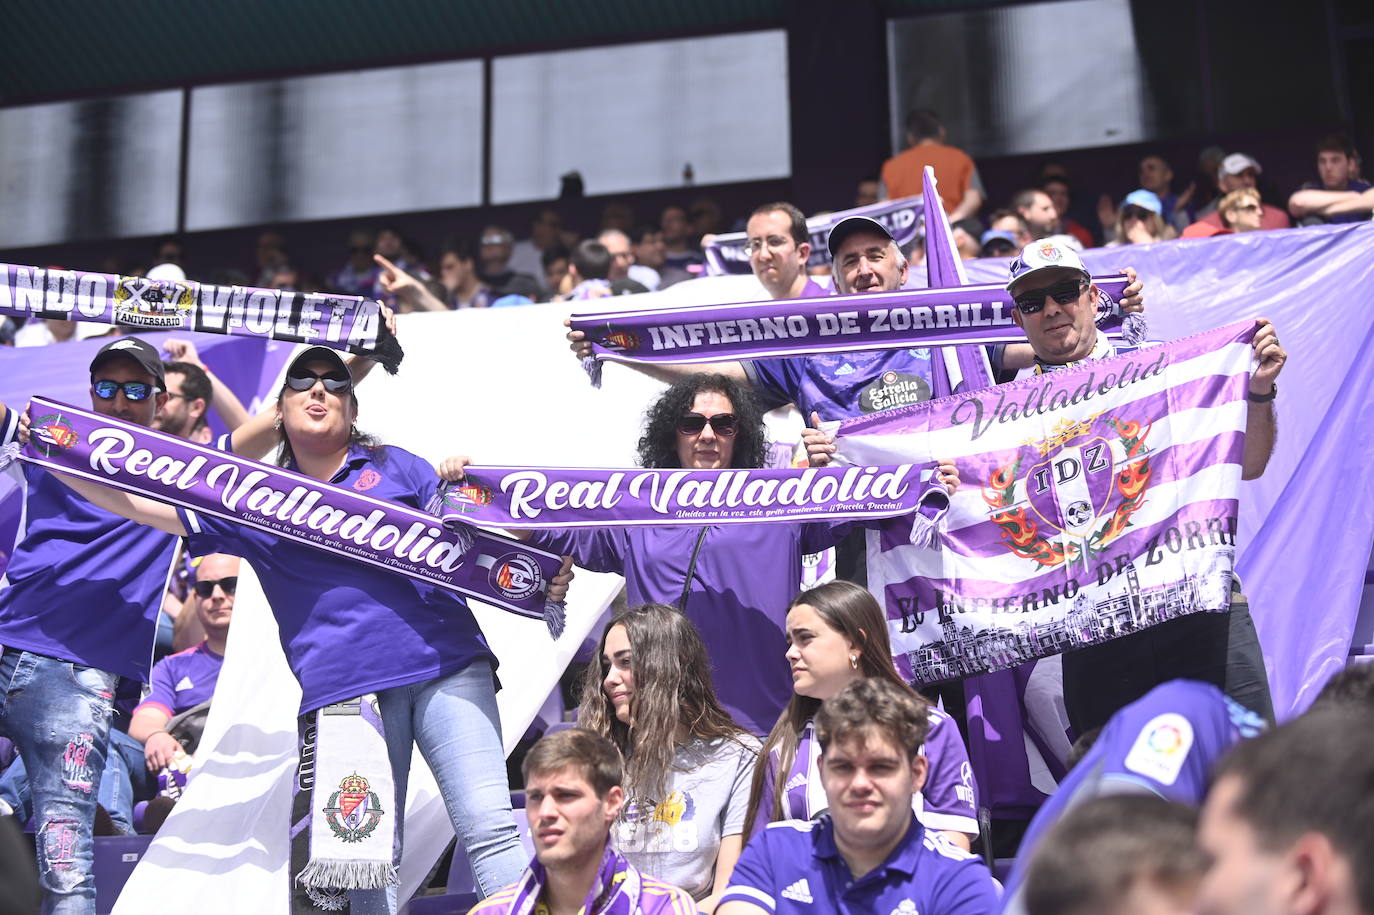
(367, 480)
(52, 433)
(468, 498)
(620, 341)
(153, 303)
(1161, 748)
(516, 576)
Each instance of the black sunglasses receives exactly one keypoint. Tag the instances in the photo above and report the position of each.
(1033, 300)
(721, 423)
(133, 390)
(334, 382)
(206, 588)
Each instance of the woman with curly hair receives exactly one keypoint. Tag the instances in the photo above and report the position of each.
(733, 581)
(688, 765)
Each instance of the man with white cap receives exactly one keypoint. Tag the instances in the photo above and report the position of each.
(1237, 171)
(1055, 303)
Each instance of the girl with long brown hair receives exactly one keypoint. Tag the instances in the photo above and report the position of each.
(837, 633)
(687, 763)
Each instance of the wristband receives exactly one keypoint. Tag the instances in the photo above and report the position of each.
(1262, 398)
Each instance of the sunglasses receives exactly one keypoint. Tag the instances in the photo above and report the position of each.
(334, 382)
(206, 588)
(133, 390)
(721, 423)
(1033, 300)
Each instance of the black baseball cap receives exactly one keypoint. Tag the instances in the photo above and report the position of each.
(847, 227)
(137, 349)
(322, 353)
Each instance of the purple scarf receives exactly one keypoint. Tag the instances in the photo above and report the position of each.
(494, 570)
(839, 324)
(539, 498)
(343, 322)
(903, 217)
(615, 892)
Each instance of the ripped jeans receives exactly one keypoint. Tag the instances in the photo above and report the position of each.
(58, 715)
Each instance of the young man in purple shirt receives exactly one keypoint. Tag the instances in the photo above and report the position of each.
(186, 679)
(573, 794)
(869, 853)
(78, 605)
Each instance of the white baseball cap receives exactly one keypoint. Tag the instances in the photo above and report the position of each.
(1045, 254)
(1236, 163)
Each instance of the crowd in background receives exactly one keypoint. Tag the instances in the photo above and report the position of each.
(630, 251)
(682, 748)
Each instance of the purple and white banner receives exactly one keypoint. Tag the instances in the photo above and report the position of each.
(343, 322)
(839, 324)
(492, 569)
(1096, 501)
(903, 217)
(550, 497)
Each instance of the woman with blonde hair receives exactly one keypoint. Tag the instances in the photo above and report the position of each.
(687, 763)
(836, 634)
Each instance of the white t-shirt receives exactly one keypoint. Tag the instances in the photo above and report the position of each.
(677, 839)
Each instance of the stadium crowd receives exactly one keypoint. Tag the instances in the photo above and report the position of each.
(812, 779)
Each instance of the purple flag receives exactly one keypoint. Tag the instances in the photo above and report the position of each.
(1096, 500)
(537, 498)
(903, 217)
(495, 570)
(342, 322)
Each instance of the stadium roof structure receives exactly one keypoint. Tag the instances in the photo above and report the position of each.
(63, 49)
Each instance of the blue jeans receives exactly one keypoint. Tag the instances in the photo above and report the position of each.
(58, 715)
(455, 722)
(125, 780)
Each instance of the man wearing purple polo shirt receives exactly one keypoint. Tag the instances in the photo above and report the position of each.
(186, 679)
(869, 853)
(78, 606)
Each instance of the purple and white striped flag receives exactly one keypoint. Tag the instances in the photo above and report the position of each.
(1095, 501)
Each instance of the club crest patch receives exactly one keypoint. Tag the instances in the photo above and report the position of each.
(354, 810)
(52, 433)
(468, 497)
(516, 576)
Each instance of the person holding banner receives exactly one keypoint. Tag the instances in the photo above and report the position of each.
(687, 763)
(78, 610)
(351, 630)
(1053, 294)
(836, 635)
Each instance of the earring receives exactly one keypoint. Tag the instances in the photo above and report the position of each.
(853, 662)
(276, 423)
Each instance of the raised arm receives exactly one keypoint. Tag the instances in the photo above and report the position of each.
(1261, 428)
(582, 348)
(224, 401)
(136, 508)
